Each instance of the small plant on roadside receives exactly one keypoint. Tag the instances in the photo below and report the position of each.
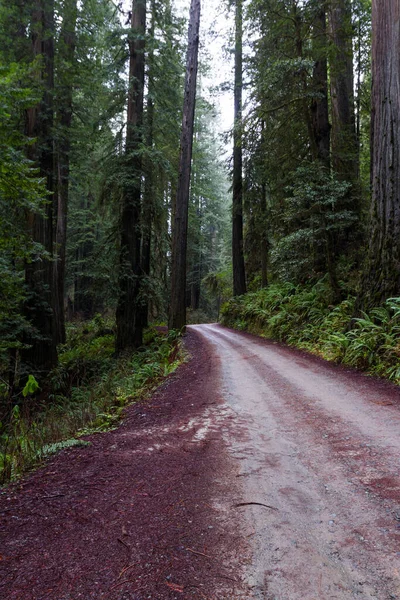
(302, 316)
(86, 393)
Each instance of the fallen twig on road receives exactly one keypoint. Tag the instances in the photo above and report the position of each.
(255, 504)
(196, 552)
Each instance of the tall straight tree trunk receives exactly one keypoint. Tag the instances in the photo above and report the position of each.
(264, 237)
(42, 354)
(177, 318)
(149, 183)
(321, 130)
(264, 221)
(239, 277)
(129, 325)
(344, 140)
(197, 250)
(382, 275)
(67, 44)
(298, 18)
(319, 106)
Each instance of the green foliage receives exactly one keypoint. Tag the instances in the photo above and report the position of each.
(31, 387)
(21, 192)
(86, 393)
(301, 316)
(50, 449)
(317, 211)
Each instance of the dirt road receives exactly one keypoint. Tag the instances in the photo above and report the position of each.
(255, 472)
(319, 450)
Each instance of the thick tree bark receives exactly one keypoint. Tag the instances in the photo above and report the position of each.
(42, 354)
(321, 128)
(344, 140)
(67, 44)
(382, 275)
(129, 325)
(177, 318)
(239, 276)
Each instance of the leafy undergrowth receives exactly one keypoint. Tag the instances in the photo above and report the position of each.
(303, 317)
(85, 394)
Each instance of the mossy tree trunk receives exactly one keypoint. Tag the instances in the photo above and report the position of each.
(381, 278)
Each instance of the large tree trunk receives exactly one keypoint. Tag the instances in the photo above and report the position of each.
(129, 325)
(321, 128)
(239, 277)
(66, 56)
(382, 276)
(149, 183)
(344, 141)
(177, 318)
(42, 354)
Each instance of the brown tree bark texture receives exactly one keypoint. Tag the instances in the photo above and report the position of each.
(382, 277)
(239, 276)
(149, 182)
(344, 140)
(129, 325)
(319, 106)
(42, 354)
(67, 52)
(180, 225)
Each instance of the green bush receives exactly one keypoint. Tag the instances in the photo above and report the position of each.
(86, 393)
(302, 316)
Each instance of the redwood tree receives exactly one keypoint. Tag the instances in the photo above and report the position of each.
(129, 324)
(67, 43)
(239, 278)
(344, 140)
(177, 318)
(41, 355)
(149, 184)
(382, 275)
(319, 106)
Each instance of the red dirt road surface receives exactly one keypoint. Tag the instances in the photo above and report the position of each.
(255, 472)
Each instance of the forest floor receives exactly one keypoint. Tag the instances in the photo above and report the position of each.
(255, 471)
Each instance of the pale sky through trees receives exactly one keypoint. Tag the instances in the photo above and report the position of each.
(215, 28)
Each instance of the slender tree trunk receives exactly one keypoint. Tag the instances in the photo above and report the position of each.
(42, 355)
(299, 41)
(129, 325)
(382, 275)
(239, 276)
(180, 226)
(149, 183)
(358, 99)
(195, 287)
(66, 52)
(264, 238)
(344, 141)
(264, 218)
